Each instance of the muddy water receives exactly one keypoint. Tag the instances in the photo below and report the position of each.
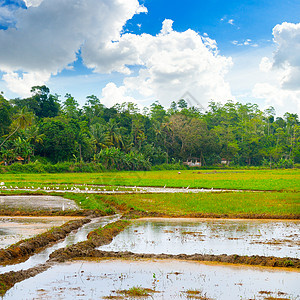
(14, 229)
(72, 238)
(205, 236)
(171, 279)
(53, 203)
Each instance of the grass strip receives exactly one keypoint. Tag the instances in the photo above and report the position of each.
(275, 180)
(231, 204)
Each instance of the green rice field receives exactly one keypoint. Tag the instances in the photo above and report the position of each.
(264, 180)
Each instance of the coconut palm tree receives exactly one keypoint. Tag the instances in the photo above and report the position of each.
(114, 134)
(22, 120)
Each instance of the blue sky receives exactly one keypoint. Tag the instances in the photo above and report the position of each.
(142, 51)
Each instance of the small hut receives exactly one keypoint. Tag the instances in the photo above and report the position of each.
(224, 161)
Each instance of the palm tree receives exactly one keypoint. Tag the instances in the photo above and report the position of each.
(114, 134)
(22, 120)
(100, 135)
(33, 136)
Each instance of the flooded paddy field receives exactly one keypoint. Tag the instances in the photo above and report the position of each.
(34, 202)
(210, 236)
(14, 229)
(162, 279)
(109, 276)
(71, 239)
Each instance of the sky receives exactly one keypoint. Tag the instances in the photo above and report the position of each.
(154, 50)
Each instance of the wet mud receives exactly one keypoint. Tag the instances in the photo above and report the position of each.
(96, 238)
(254, 260)
(8, 280)
(40, 213)
(17, 228)
(25, 248)
(136, 214)
(33, 202)
(105, 235)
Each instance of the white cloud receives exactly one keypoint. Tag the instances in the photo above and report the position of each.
(231, 22)
(21, 85)
(111, 95)
(287, 56)
(282, 100)
(49, 34)
(282, 90)
(173, 63)
(247, 42)
(265, 64)
(33, 2)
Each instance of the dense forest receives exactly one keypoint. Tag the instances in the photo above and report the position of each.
(47, 130)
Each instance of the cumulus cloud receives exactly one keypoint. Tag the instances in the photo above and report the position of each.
(282, 100)
(49, 33)
(21, 84)
(172, 63)
(111, 95)
(283, 69)
(287, 56)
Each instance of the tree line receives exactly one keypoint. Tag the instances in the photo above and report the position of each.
(47, 129)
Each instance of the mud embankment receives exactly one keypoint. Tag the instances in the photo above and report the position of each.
(106, 234)
(96, 238)
(135, 214)
(8, 280)
(255, 260)
(41, 213)
(25, 248)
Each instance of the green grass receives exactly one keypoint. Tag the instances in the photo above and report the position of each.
(136, 291)
(277, 180)
(88, 201)
(232, 203)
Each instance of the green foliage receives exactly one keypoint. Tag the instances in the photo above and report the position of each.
(114, 158)
(123, 138)
(174, 166)
(5, 115)
(62, 167)
(252, 179)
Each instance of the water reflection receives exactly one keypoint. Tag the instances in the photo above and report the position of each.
(73, 238)
(207, 236)
(171, 280)
(14, 229)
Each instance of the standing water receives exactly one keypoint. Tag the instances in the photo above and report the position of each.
(73, 238)
(208, 236)
(166, 280)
